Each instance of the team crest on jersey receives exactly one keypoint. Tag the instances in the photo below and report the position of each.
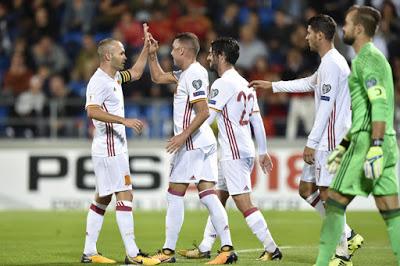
(197, 84)
(326, 88)
(213, 93)
(370, 82)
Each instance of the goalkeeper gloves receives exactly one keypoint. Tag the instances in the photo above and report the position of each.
(336, 156)
(374, 161)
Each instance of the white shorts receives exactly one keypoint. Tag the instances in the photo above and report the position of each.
(318, 173)
(234, 175)
(194, 165)
(112, 174)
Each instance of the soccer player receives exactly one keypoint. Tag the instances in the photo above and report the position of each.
(193, 146)
(332, 120)
(105, 106)
(235, 107)
(366, 158)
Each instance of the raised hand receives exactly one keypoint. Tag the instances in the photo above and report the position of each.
(153, 44)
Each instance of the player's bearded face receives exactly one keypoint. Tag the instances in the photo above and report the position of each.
(212, 60)
(348, 30)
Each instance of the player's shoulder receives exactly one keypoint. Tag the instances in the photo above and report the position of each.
(334, 61)
(98, 80)
(196, 69)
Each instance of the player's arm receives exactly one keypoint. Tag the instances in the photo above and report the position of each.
(261, 140)
(157, 73)
(213, 114)
(202, 113)
(136, 71)
(298, 85)
(97, 113)
(373, 83)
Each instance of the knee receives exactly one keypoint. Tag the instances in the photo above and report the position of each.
(304, 191)
(244, 204)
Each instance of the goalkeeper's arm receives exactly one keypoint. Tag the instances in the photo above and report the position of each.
(336, 156)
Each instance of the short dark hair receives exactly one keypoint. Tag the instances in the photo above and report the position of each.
(189, 39)
(228, 47)
(368, 17)
(325, 24)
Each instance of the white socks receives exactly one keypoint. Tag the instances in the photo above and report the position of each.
(255, 220)
(94, 222)
(218, 215)
(174, 218)
(209, 237)
(315, 201)
(123, 213)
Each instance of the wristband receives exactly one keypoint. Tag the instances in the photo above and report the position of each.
(345, 143)
(377, 142)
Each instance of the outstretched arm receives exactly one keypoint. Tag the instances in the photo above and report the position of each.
(157, 73)
(136, 71)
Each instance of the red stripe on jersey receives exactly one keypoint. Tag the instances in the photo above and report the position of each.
(110, 125)
(186, 122)
(230, 134)
(329, 134)
(333, 127)
(110, 136)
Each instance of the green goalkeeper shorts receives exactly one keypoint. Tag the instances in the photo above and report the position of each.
(350, 178)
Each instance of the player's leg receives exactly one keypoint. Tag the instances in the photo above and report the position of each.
(173, 220)
(386, 191)
(210, 234)
(332, 227)
(308, 189)
(257, 224)
(390, 211)
(119, 180)
(96, 212)
(349, 181)
(94, 222)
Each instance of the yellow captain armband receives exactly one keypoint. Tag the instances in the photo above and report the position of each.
(376, 92)
(125, 76)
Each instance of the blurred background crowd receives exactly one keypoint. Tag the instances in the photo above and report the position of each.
(48, 53)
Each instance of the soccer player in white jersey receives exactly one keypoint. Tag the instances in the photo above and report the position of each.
(234, 105)
(105, 106)
(333, 119)
(193, 146)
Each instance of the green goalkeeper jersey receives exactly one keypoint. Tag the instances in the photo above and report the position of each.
(371, 90)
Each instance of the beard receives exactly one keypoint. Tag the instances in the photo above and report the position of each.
(213, 67)
(349, 40)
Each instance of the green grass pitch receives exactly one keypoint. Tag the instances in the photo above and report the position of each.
(57, 238)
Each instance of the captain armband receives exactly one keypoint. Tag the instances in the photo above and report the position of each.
(376, 92)
(125, 76)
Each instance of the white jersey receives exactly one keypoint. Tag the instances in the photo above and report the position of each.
(192, 87)
(236, 102)
(102, 90)
(332, 100)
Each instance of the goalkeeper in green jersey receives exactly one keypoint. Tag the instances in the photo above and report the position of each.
(365, 160)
